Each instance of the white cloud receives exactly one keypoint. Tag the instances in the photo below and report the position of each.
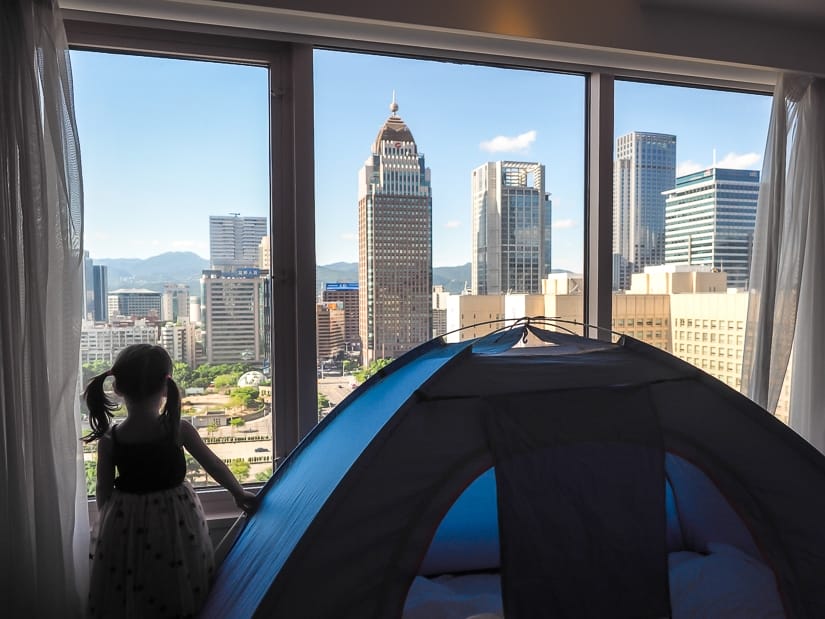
(689, 167)
(505, 144)
(564, 224)
(745, 161)
(453, 223)
(348, 236)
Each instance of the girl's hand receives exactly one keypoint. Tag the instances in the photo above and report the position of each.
(247, 501)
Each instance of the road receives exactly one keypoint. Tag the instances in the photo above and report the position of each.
(335, 388)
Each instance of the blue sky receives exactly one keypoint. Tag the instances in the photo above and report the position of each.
(166, 143)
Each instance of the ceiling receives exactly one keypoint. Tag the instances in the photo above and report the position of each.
(793, 11)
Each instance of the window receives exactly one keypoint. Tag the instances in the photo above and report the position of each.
(177, 237)
(427, 92)
(706, 161)
(417, 179)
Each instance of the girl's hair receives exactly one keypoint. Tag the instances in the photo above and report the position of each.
(140, 371)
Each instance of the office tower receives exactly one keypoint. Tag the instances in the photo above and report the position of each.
(710, 218)
(100, 285)
(234, 241)
(394, 244)
(233, 315)
(510, 228)
(329, 330)
(645, 166)
(345, 293)
(175, 302)
(134, 303)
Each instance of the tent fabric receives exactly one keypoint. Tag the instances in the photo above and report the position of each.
(602, 483)
(345, 523)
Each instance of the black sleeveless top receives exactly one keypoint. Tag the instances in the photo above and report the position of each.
(148, 467)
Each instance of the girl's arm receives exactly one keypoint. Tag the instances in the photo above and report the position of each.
(215, 466)
(105, 471)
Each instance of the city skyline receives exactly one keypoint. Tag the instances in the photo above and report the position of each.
(461, 121)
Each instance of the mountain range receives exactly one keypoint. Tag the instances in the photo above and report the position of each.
(185, 268)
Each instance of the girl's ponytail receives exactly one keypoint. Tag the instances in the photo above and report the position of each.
(172, 407)
(100, 407)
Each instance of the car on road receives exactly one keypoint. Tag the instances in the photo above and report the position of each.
(260, 449)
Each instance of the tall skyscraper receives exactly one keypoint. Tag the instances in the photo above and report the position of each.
(645, 167)
(394, 244)
(710, 218)
(510, 228)
(175, 302)
(100, 279)
(233, 316)
(88, 287)
(234, 241)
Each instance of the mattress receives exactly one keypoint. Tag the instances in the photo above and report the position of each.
(725, 583)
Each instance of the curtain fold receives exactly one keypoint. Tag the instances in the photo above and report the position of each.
(787, 279)
(43, 512)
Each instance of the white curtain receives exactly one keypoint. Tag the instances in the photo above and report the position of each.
(786, 311)
(43, 513)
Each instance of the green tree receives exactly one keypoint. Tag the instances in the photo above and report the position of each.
(182, 374)
(212, 428)
(92, 369)
(376, 366)
(264, 475)
(244, 396)
(91, 476)
(323, 401)
(222, 381)
(193, 469)
(236, 422)
(239, 468)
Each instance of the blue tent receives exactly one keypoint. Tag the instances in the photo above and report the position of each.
(583, 472)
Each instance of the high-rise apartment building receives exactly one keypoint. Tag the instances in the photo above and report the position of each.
(233, 315)
(394, 244)
(329, 329)
(103, 342)
(345, 293)
(440, 298)
(175, 302)
(644, 168)
(710, 218)
(265, 253)
(510, 228)
(180, 341)
(234, 241)
(134, 303)
(100, 288)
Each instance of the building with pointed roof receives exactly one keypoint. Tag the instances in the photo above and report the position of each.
(394, 244)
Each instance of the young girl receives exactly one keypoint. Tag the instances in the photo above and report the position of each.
(151, 552)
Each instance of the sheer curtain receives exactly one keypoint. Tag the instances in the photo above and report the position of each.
(786, 311)
(43, 513)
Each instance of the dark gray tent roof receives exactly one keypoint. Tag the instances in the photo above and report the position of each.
(345, 522)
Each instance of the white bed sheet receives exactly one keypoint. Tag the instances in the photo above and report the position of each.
(725, 584)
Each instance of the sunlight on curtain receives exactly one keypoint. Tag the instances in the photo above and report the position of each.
(43, 514)
(787, 296)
